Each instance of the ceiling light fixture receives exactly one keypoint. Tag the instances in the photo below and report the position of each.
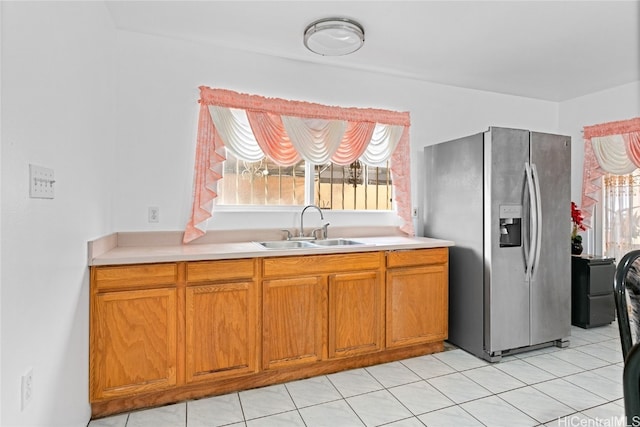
(334, 36)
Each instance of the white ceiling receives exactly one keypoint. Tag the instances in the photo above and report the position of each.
(551, 50)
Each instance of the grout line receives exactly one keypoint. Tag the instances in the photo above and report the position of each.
(244, 417)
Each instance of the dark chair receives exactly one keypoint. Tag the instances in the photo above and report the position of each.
(627, 298)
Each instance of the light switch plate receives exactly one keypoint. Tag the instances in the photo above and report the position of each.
(41, 182)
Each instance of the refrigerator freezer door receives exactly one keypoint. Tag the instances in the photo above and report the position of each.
(551, 280)
(453, 210)
(507, 316)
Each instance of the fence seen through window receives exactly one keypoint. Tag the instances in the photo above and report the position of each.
(264, 183)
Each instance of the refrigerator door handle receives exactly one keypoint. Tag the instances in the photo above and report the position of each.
(536, 182)
(533, 213)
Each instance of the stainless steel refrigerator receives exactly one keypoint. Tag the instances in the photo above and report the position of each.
(503, 196)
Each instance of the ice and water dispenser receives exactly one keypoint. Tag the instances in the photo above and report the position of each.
(510, 225)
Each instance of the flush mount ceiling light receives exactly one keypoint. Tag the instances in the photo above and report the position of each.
(334, 36)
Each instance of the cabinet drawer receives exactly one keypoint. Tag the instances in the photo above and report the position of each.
(417, 257)
(321, 264)
(601, 279)
(135, 276)
(601, 310)
(211, 271)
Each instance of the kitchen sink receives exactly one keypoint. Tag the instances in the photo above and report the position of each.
(300, 244)
(336, 242)
(286, 244)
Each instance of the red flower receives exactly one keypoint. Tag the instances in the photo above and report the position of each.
(576, 219)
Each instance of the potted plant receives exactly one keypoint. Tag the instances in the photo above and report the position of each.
(576, 239)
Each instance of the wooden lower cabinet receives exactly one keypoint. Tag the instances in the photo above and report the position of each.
(334, 310)
(221, 320)
(417, 297)
(293, 318)
(168, 332)
(356, 313)
(133, 336)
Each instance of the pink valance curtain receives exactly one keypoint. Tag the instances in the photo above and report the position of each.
(253, 126)
(612, 147)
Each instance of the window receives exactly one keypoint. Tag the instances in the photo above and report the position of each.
(261, 183)
(356, 186)
(611, 162)
(621, 213)
(331, 186)
(255, 128)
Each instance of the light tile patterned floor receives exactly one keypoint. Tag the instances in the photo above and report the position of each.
(575, 386)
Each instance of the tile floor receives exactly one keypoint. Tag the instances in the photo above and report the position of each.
(577, 386)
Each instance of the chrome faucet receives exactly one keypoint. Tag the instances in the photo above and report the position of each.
(302, 217)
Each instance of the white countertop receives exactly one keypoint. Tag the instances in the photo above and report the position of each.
(144, 248)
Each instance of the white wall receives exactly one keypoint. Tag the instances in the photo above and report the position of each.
(619, 103)
(58, 93)
(158, 81)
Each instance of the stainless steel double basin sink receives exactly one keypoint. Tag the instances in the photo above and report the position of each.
(308, 244)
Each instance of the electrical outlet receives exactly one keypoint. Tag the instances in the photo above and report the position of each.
(414, 212)
(41, 182)
(154, 214)
(27, 388)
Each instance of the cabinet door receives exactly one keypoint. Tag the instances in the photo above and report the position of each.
(356, 313)
(417, 303)
(133, 342)
(221, 330)
(294, 312)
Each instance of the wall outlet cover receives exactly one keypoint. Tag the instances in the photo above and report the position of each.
(26, 389)
(154, 214)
